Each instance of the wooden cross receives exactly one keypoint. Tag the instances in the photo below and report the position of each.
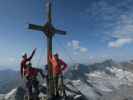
(49, 30)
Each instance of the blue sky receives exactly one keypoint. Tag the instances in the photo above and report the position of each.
(97, 30)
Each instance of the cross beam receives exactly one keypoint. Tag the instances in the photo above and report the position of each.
(49, 31)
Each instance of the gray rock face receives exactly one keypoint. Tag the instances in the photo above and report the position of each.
(19, 93)
(15, 94)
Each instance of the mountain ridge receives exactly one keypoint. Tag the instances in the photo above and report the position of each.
(101, 80)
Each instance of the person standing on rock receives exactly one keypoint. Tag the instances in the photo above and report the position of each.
(32, 81)
(58, 65)
(29, 74)
(24, 62)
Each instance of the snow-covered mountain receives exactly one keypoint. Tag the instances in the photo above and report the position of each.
(105, 81)
(108, 80)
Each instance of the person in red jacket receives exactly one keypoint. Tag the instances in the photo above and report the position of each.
(24, 61)
(32, 81)
(58, 65)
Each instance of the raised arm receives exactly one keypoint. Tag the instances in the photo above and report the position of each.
(31, 56)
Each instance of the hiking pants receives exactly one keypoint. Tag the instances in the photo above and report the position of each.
(56, 84)
(32, 83)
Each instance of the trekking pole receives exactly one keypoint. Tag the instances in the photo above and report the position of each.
(63, 86)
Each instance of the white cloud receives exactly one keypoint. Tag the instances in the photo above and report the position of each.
(82, 49)
(69, 44)
(75, 45)
(123, 33)
(120, 42)
(124, 27)
(75, 53)
(91, 57)
(115, 21)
